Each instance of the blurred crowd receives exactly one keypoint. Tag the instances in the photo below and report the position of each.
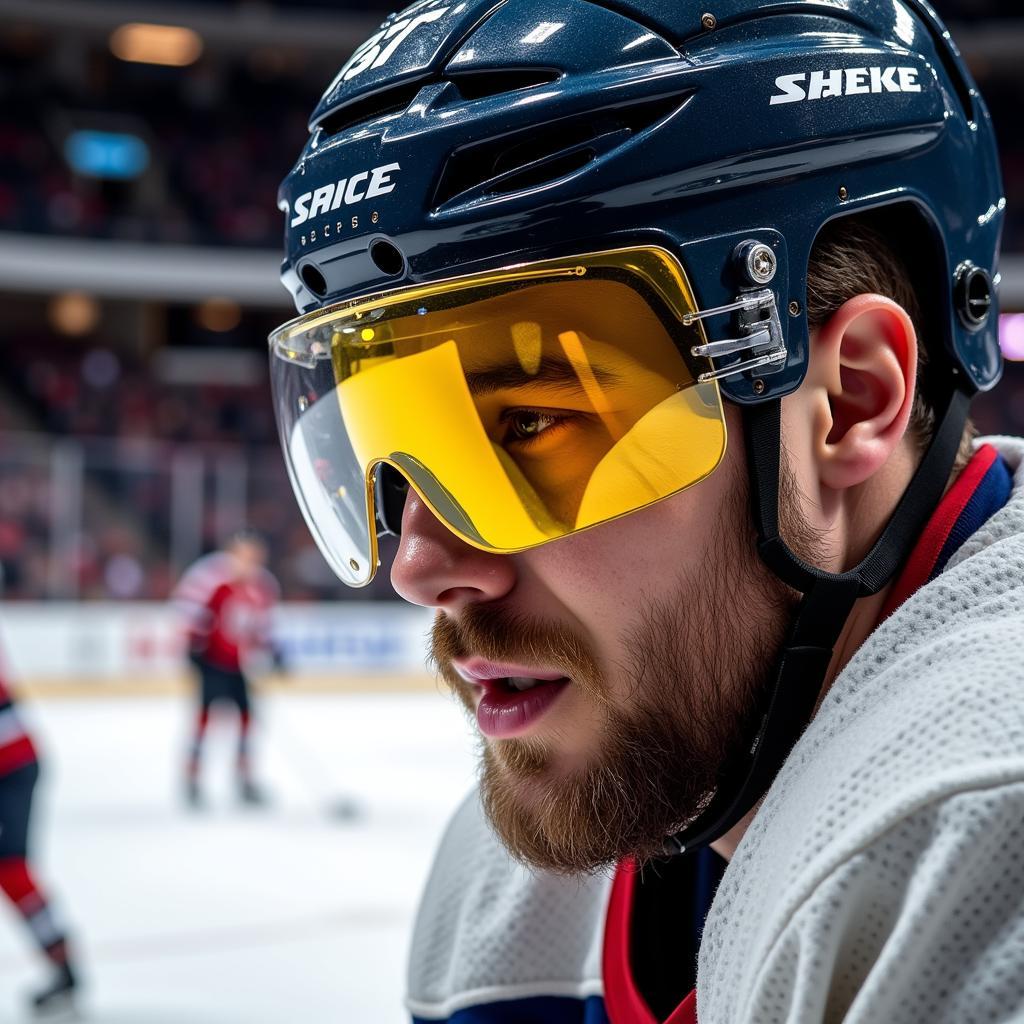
(219, 136)
(98, 392)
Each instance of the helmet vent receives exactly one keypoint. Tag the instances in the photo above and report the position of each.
(371, 108)
(543, 171)
(477, 85)
(538, 156)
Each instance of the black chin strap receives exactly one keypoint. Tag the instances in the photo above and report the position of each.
(828, 598)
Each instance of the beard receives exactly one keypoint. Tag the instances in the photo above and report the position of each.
(694, 663)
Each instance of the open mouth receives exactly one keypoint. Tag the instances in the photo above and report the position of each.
(512, 705)
(513, 698)
(520, 684)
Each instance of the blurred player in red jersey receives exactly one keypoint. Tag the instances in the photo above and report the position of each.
(19, 772)
(227, 598)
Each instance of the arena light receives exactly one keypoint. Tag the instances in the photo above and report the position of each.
(144, 43)
(74, 313)
(1011, 336)
(218, 314)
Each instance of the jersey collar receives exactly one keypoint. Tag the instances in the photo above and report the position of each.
(980, 491)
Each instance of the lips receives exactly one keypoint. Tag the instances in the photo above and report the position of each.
(514, 697)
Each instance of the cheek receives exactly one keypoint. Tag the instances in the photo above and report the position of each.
(603, 577)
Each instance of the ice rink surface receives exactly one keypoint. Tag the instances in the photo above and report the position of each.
(288, 914)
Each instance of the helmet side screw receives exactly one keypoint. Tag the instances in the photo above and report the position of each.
(974, 295)
(794, 308)
(844, 193)
(758, 386)
(757, 262)
(709, 21)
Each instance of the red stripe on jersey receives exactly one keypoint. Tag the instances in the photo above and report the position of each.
(622, 998)
(928, 548)
(16, 754)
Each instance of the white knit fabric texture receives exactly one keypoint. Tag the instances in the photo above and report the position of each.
(882, 881)
(489, 930)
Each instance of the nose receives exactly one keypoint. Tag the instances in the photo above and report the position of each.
(436, 569)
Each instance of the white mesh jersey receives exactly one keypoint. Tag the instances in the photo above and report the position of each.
(489, 931)
(882, 880)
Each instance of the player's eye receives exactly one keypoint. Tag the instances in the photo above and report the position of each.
(523, 426)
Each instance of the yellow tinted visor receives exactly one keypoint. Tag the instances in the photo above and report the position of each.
(522, 405)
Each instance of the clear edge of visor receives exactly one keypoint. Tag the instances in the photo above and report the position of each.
(308, 493)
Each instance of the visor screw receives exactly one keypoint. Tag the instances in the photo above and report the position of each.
(757, 262)
(844, 193)
(758, 387)
(794, 308)
(709, 21)
(353, 564)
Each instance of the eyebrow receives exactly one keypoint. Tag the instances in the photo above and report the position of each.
(552, 371)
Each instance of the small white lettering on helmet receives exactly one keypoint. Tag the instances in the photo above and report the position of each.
(376, 51)
(347, 191)
(820, 85)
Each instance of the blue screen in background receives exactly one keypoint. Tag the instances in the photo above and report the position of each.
(101, 154)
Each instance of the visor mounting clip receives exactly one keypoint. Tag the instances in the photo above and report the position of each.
(760, 345)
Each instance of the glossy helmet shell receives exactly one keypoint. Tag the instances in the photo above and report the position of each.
(469, 135)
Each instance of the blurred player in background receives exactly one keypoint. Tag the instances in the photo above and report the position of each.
(227, 598)
(19, 772)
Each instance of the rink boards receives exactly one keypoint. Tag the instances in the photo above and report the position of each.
(61, 646)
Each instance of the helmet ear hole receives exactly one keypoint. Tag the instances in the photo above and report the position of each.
(387, 257)
(313, 279)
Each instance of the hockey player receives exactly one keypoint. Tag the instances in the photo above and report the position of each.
(226, 600)
(552, 263)
(19, 772)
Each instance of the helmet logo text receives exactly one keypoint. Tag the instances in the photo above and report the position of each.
(347, 191)
(820, 85)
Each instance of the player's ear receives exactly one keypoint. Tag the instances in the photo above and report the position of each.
(860, 384)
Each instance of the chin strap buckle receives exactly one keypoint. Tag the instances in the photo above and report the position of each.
(760, 345)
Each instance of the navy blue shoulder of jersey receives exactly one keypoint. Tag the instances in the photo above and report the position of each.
(532, 1010)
